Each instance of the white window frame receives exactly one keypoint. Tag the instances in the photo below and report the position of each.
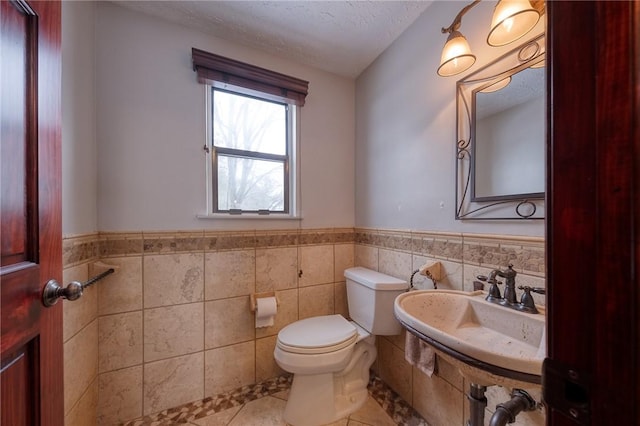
(293, 149)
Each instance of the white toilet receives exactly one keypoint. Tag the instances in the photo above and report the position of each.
(330, 357)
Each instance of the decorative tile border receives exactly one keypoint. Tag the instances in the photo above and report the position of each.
(438, 245)
(401, 412)
(211, 405)
(265, 239)
(120, 244)
(397, 408)
(78, 249)
(526, 253)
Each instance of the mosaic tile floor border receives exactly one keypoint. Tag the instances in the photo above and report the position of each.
(397, 408)
(401, 412)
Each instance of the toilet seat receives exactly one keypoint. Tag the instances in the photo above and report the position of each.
(317, 335)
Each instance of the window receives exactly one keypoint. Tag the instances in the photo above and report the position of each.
(251, 136)
(252, 154)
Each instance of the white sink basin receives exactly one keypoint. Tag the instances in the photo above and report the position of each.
(501, 341)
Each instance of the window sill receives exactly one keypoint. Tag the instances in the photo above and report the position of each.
(248, 216)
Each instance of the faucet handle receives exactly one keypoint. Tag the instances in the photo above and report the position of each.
(539, 290)
(491, 279)
(526, 301)
(494, 291)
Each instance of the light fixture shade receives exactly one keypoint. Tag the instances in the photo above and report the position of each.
(511, 20)
(456, 55)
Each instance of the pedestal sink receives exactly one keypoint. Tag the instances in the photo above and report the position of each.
(490, 344)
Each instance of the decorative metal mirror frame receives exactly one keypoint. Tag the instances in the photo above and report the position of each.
(508, 207)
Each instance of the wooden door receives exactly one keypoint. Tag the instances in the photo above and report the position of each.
(31, 340)
(592, 374)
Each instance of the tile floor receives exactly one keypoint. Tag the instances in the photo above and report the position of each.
(263, 405)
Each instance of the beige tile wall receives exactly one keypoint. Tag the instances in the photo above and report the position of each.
(441, 398)
(80, 336)
(174, 324)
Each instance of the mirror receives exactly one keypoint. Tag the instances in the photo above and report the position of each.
(509, 133)
(501, 109)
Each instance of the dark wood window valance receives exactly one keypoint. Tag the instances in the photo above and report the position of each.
(238, 76)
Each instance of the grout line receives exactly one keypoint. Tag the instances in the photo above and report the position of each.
(236, 414)
(204, 324)
(84, 392)
(142, 278)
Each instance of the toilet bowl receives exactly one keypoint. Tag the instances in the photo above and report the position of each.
(330, 357)
(316, 345)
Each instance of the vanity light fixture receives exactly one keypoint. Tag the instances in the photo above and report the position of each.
(456, 54)
(512, 19)
(497, 85)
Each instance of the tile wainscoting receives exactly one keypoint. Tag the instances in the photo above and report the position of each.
(173, 324)
(441, 399)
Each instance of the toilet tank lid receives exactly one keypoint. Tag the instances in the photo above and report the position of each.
(374, 280)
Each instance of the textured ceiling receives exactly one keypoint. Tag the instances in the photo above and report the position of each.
(342, 37)
(524, 86)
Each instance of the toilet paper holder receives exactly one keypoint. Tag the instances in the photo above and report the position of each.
(254, 296)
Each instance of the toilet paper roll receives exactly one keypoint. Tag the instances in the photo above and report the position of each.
(266, 309)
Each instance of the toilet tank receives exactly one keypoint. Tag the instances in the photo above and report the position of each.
(370, 296)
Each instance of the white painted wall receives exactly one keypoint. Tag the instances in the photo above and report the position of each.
(150, 129)
(146, 128)
(405, 129)
(79, 167)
